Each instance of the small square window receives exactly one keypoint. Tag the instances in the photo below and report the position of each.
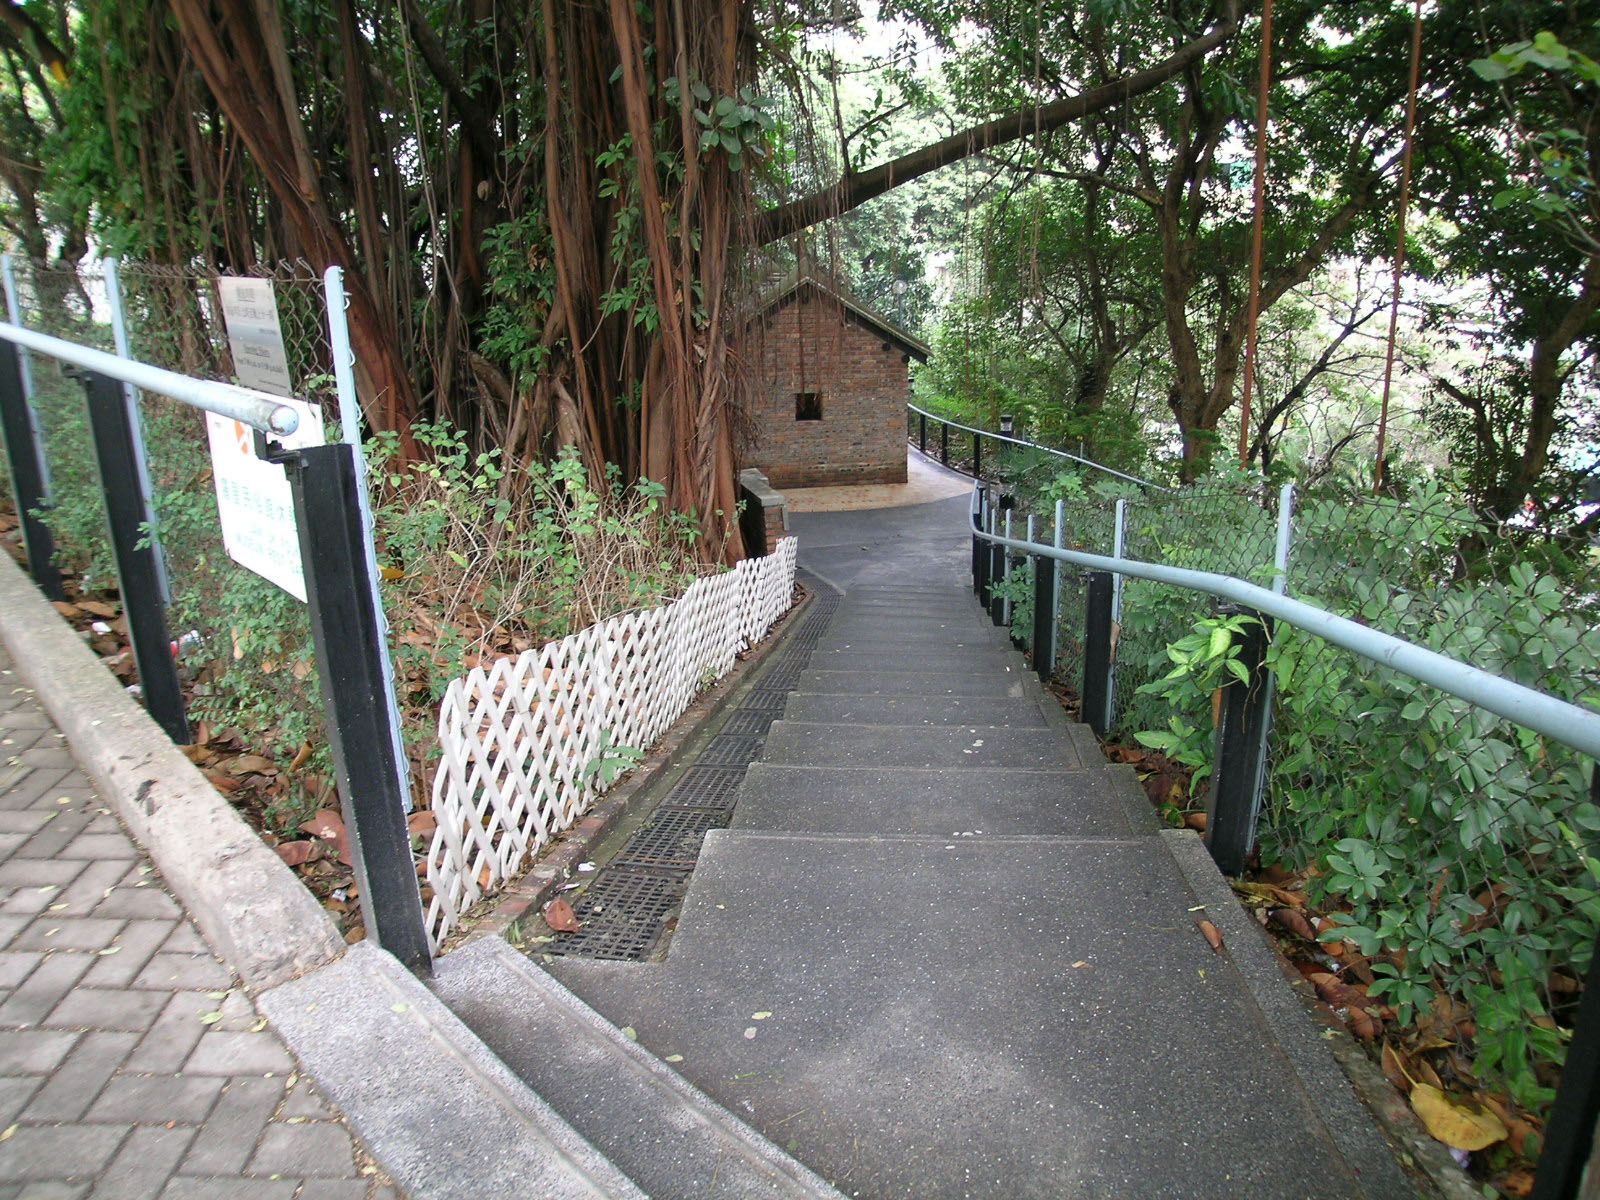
(808, 406)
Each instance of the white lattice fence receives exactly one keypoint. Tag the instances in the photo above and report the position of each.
(517, 739)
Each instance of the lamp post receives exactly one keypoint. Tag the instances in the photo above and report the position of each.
(1007, 424)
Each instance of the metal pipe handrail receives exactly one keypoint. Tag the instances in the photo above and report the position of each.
(1004, 437)
(1567, 723)
(259, 410)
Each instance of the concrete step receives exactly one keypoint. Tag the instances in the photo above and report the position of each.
(667, 1135)
(1032, 1017)
(920, 657)
(453, 1121)
(1094, 802)
(903, 681)
(852, 632)
(942, 747)
(952, 604)
(914, 710)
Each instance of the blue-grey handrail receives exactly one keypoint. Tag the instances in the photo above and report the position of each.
(1566, 723)
(259, 410)
(1015, 441)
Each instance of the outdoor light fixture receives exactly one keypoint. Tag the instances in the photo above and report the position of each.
(1007, 425)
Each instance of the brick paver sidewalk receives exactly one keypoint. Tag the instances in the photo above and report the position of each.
(131, 1064)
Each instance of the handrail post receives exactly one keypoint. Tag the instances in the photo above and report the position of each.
(980, 557)
(347, 629)
(997, 572)
(922, 432)
(1235, 801)
(1044, 607)
(116, 451)
(1096, 690)
(29, 481)
(977, 454)
(1569, 1132)
(944, 442)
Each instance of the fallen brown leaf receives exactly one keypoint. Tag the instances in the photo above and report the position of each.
(1295, 922)
(252, 764)
(295, 853)
(1516, 1183)
(300, 756)
(1394, 1069)
(421, 823)
(1211, 933)
(559, 916)
(1195, 821)
(70, 611)
(1362, 1023)
(329, 826)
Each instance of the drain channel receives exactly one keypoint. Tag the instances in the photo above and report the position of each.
(624, 911)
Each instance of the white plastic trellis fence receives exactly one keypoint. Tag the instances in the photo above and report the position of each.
(516, 740)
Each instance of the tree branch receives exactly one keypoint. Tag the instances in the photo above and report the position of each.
(857, 188)
(475, 124)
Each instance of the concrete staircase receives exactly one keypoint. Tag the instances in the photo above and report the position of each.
(943, 951)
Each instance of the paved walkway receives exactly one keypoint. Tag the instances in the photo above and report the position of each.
(944, 951)
(131, 1064)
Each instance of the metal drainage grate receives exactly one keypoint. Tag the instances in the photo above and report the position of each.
(620, 916)
(752, 722)
(784, 675)
(725, 751)
(625, 910)
(706, 787)
(672, 838)
(767, 700)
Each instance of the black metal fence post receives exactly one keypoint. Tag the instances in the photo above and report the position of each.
(944, 442)
(348, 635)
(138, 571)
(27, 472)
(1044, 625)
(980, 581)
(1096, 690)
(922, 432)
(977, 454)
(999, 568)
(1569, 1133)
(1235, 799)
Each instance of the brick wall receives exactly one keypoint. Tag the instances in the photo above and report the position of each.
(863, 382)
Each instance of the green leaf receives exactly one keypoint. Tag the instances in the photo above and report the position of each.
(1491, 70)
(1221, 639)
(1413, 711)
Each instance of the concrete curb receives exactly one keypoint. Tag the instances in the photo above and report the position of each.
(250, 907)
(1352, 1126)
(446, 1118)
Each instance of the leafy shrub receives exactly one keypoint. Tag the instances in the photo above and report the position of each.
(1456, 844)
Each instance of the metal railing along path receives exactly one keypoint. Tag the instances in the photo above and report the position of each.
(981, 435)
(259, 410)
(1243, 722)
(1569, 724)
(347, 624)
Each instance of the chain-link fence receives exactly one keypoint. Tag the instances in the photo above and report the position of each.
(245, 644)
(1456, 852)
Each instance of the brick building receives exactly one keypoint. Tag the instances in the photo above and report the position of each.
(833, 384)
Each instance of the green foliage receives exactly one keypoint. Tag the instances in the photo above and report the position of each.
(737, 126)
(1458, 846)
(610, 760)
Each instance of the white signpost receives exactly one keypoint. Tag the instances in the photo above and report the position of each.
(254, 501)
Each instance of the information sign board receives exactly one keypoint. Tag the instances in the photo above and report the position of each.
(254, 501)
